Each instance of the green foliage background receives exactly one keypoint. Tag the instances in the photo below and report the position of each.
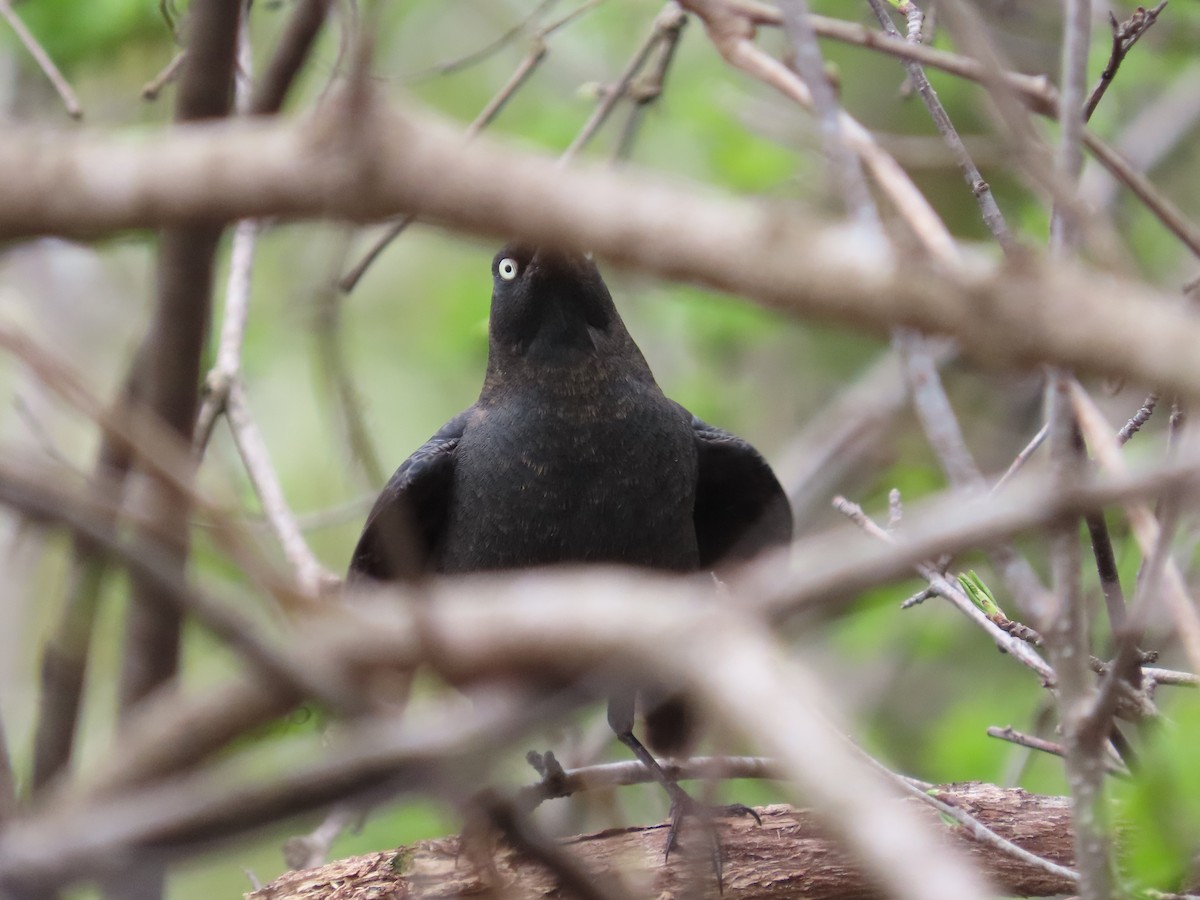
(918, 687)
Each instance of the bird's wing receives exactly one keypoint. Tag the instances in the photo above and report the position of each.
(407, 520)
(740, 507)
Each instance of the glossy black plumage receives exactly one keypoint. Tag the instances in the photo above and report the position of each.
(573, 454)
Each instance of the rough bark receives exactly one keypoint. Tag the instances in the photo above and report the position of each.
(789, 856)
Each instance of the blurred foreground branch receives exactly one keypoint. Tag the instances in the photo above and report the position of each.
(387, 163)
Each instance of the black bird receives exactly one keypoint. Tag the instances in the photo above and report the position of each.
(573, 454)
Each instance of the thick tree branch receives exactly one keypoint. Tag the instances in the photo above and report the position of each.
(790, 856)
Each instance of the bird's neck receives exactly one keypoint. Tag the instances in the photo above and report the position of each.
(568, 376)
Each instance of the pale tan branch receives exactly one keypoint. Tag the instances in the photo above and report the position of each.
(1011, 316)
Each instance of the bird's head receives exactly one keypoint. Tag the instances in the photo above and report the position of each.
(551, 307)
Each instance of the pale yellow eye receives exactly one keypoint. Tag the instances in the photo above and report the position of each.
(508, 268)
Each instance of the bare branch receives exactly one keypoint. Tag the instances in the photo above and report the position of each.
(1124, 36)
(1099, 436)
(152, 88)
(647, 89)
(992, 217)
(466, 635)
(66, 651)
(1117, 328)
(978, 830)
(171, 353)
(527, 66)
(41, 499)
(289, 57)
(944, 587)
(1010, 734)
(845, 164)
(492, 47)
(312, 575)
(800, 862)
(1139, 418)
(1106, 567)
(1149, 135)
(667, 20)
(1068, 644)
(1021, 458)
(608, 775)
(42, 58)
(130, 430)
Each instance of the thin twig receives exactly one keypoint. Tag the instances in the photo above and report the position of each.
(1068, 646)
(1138, 419)
(42, 58)
(666, 21)
(942, 430)
(928, 394)
(1171, 676)
(895, 510)
(310, 850)
(736, 46)
(477, 56)
(66, 650)
(992, 216)
(1177, 422)
(568, 782)
(1159, 205)
(1099, 436)
(527, 66)
(1020, 738)
(311, 574)
(945, 588)
(1150, 135)
(1124, 36)
(845, 164)
(237, 289)
(1106, 567)
(220, 378)
(1126, 664)
(649, 87)
(43, 501)
(224, 391)
(131, 431)
(152, 88)
(1065, 226)
(1021, 458)
(331, 353)
(538, 49)
(978, 830)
